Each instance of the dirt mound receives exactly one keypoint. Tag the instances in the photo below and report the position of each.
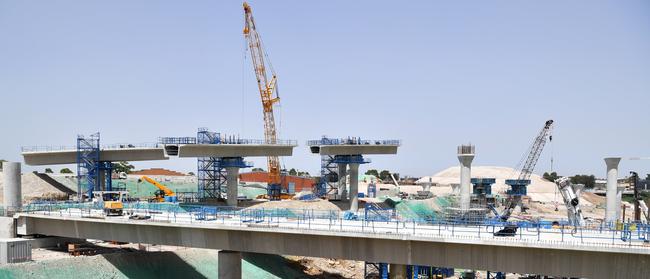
(294, 204)
(34, 187)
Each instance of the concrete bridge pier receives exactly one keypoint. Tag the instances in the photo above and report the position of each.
(465, 157)
(612, 184)
(397, 271)
(232, 173)
(232, 166)
(229, 264)
(354, 187)
(343, 191)
(12, 199)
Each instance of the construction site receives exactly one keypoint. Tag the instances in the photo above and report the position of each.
(231, 218)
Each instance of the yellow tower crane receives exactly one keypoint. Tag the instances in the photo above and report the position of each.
(269, 94)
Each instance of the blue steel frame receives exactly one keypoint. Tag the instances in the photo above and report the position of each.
(518, 186)
(87, 165)
(90, 167)
(210, 172)
(329, 176)
(382, 269)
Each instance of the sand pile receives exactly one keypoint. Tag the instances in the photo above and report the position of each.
(33, 187)
(295, 204)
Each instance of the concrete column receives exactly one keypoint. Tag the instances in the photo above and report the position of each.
(465, 177)
(397, 271)
(232, 174)
(354, 187)
(343, 191)
(612, 184)
(12, 186)
(619, 203)
(229, 265)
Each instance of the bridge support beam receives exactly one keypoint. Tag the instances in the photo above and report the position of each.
(354, 187)
(229, 264)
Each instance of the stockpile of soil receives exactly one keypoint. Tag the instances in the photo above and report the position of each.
(295, 204)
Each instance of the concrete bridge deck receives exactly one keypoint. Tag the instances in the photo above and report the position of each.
(116, 154)
(235, 150)
(356, 149)
(402, 244)
(60, 157)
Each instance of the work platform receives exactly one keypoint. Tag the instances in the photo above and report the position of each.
(40, 157)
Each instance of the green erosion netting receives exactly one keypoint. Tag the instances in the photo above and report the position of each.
(429, 209)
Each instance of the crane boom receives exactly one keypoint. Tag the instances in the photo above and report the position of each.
(168, 192)
(527, 169)
(536, 150)
(267, 88)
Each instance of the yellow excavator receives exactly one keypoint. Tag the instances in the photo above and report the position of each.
(162, 191)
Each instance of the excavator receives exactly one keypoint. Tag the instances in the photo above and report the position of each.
(162, 191)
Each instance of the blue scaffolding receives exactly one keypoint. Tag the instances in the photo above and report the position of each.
(92, 173)
(329, 177)
(210, 172)
(87, 165)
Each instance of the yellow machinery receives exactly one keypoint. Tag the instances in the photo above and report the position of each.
(113, 201)
(269, 94)
(162, 191)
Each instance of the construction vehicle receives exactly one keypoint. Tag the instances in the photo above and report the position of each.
(162, 191)
(571, 200)
(523, 180)
(112, 201)
(269, 94)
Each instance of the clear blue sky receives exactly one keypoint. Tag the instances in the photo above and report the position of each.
(434, 74)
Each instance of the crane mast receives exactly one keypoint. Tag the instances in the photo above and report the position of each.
(268, 92)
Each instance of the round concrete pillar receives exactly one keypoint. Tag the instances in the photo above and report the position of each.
(12, 186)
(229, 264)
(612, 184)
(465, 179)
(354, 187)
(232, 174)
